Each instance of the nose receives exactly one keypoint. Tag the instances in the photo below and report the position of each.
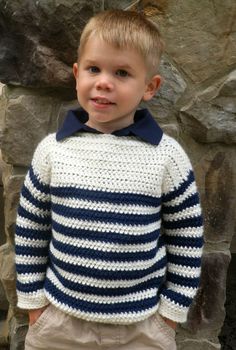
(104, 82)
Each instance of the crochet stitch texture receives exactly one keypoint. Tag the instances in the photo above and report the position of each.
(109, 229)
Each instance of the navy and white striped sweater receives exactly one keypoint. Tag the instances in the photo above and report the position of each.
(109, 229)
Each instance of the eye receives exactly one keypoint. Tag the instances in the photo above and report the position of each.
(122, 73)
(93, 69)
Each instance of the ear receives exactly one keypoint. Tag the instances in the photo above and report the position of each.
(152, 86)
(75, 70)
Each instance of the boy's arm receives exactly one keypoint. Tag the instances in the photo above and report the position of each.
(182, 224)
(33, 231)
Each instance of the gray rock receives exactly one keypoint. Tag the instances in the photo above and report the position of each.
(207, 311)
(30, 116)
(3, 300)
(18, 330)
(163, 105)
(4, 334)
(211, 116)
(7, 273)
(200, 36)
(114, 4)
(172, 88)
(215, 173)
(199, 344)
(39, 40)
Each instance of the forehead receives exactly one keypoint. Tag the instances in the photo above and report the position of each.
(97, 49)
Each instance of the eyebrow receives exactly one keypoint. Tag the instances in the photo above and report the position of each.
(119, 66)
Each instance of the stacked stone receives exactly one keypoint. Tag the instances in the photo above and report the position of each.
(196, 105)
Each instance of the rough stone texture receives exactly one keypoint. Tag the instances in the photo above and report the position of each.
(39, 40)
(200, 36)
(39, 113)
(2, 221)
(2, 112)
(218, 199)
(204, 316)
(228, 333)
(113, 4)
(196, 105)
(211, 116)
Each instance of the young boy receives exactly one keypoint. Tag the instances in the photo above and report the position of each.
(95, 269)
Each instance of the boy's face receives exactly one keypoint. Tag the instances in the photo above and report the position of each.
(110, 84)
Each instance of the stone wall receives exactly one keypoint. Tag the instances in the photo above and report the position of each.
(196, 105)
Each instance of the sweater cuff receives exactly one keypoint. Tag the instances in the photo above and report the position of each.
(32, 301)
(172, 311)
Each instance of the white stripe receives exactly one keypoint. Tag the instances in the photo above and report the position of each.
(150, 293)
(106, 227)
(86, 280)
(193, 232)
(104, 246)
(186, 291)
(29, 260)
(188, 252)
(31, 208)
(114, 318)
(28, 242)
(36, 193)
(184, 271)
(27, 278)
(187, 213)
(105, 206)
(26, 223)
(104, 265)
(178, 200)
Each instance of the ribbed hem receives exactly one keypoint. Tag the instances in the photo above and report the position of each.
(172, 311)
(32, 301)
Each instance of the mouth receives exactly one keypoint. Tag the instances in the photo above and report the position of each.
(102, 101)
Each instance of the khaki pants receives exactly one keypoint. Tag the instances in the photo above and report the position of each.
(56, 330)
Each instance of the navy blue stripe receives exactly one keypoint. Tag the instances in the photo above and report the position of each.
(43, 188)
(178, 298)
(102, 196)
(113, 237)
(107, 217)
(43, 219)
(44, 235)
(184, 223)
(180, 190)
(105, 291)
(183, 260)
(183, 281)
(31, 251)
(29, 288)
(95, 254)
(187, 203)
(35, 268)
(106, 274)
(103, 308)
(37, 203)
(184, 241)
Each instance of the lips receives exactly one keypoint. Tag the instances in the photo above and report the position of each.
(102, 101)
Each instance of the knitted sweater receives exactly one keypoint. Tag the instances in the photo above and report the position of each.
(109, 229)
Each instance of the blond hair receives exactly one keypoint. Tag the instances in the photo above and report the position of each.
(126, 29)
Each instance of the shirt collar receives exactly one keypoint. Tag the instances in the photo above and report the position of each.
(144, 126)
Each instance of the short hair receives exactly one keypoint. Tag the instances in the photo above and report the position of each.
(126, 29)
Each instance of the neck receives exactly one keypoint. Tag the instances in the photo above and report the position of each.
(109, 128)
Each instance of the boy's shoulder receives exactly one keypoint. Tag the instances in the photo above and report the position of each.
(175, 154)
(171, 145)
(45, 146)
(48, 141)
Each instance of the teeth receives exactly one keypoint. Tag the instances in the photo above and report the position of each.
(102, 101)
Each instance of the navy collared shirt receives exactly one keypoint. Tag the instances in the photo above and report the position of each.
(144, 126)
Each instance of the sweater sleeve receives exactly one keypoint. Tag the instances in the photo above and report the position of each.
(33, 230)
(183, 235)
